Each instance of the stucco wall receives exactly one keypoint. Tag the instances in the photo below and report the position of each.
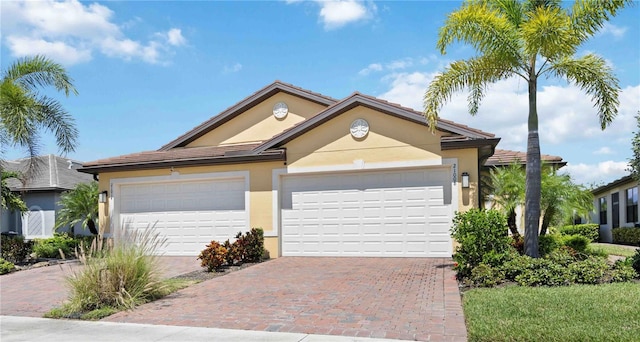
(258, 123)
(605, 229)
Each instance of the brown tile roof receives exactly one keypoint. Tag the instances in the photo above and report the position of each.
(179, 154)
(507, 157)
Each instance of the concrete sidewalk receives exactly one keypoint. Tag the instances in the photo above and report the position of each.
(13, 329)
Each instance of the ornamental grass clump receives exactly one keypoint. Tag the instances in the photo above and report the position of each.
(121, 275)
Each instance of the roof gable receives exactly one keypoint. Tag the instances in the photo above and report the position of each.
(244, 105)
(51, 173)
(357, 99)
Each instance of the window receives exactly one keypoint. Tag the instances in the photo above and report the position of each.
(603, 210)
(632, 205)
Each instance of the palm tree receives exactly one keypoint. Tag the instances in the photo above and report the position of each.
(24, 112)
(507, 184)
(11, 200)
(526, 39)
(561, 199)
(79, 205)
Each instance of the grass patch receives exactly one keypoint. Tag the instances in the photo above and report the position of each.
(612, 249)
(606, 312)
(168, 286)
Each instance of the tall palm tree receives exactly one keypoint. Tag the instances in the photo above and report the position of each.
(507, 184)
(24, 112)
(526, 39)
(79, 205)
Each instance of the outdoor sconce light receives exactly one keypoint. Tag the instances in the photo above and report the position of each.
(465, 180)
(102, 197)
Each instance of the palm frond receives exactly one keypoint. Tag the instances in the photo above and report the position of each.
(592, 74)
(484, 27)
(54, 118)
(475, 74)
(39, 71)
(589, 16)
(547, 32)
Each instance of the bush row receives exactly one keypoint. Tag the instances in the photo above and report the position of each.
(563, 266)
(16, 249)
(248, 247)
(591, 231)
(626, 236)
(486, 256)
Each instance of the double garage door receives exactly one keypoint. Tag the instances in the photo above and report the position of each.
(383, 213)
(396, 214)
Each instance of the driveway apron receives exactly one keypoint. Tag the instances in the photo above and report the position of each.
(35, 291)
(400, 298)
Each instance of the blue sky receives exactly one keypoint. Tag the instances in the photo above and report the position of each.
(149, 71)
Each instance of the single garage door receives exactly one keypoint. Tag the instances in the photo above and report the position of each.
(188, 214)
(392, 213)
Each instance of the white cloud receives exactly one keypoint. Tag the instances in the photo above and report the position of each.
(371, 67)
(603, 150)
(70, 31)
(59, 51)
(233, 68)
(400, 64)
(615, 31)
(175, 38)
(600, 173)
(335, 14)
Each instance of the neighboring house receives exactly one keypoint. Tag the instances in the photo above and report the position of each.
(323, 177)
(41, 194)
(616, 206)
(503, 158)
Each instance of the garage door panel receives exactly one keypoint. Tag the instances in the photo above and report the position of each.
(189, 213)
(366, 214)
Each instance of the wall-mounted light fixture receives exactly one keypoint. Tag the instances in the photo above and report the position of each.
(102, 197)
(465, 180)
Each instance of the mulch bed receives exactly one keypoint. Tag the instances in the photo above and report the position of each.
(203, 274)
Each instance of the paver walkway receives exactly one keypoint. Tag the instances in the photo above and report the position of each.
(402, 298)
(36, 291)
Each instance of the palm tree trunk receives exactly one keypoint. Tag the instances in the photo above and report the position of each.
(532, 190)
(92, 227)
(513, 226)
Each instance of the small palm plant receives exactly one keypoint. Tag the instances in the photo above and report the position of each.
(79, 205)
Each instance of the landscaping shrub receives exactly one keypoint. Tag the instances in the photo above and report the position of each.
(6, 266)
(254, 245)
(213, 257)
(478, 232)
(577, 242)
(485, 275)
(589, 271)
(548, 243)
(15, 249)
(121, 276)
(542, 272)
(234, 251)
(620, 272)
(634, 261)
(59, 246)
(589, 230)
(564, 256)
(626, 236)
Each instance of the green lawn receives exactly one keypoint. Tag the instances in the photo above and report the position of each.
(609, 312)
(612, 249)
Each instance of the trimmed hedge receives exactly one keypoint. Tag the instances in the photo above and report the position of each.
(626, 236)
(588, 230)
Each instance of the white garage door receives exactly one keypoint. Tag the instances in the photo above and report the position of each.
(400, 213)
(188, 214)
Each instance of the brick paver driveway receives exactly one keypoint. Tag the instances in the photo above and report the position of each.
(403, 298)
(36, 291)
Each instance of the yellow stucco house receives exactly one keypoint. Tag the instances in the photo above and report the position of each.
(323, 177)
